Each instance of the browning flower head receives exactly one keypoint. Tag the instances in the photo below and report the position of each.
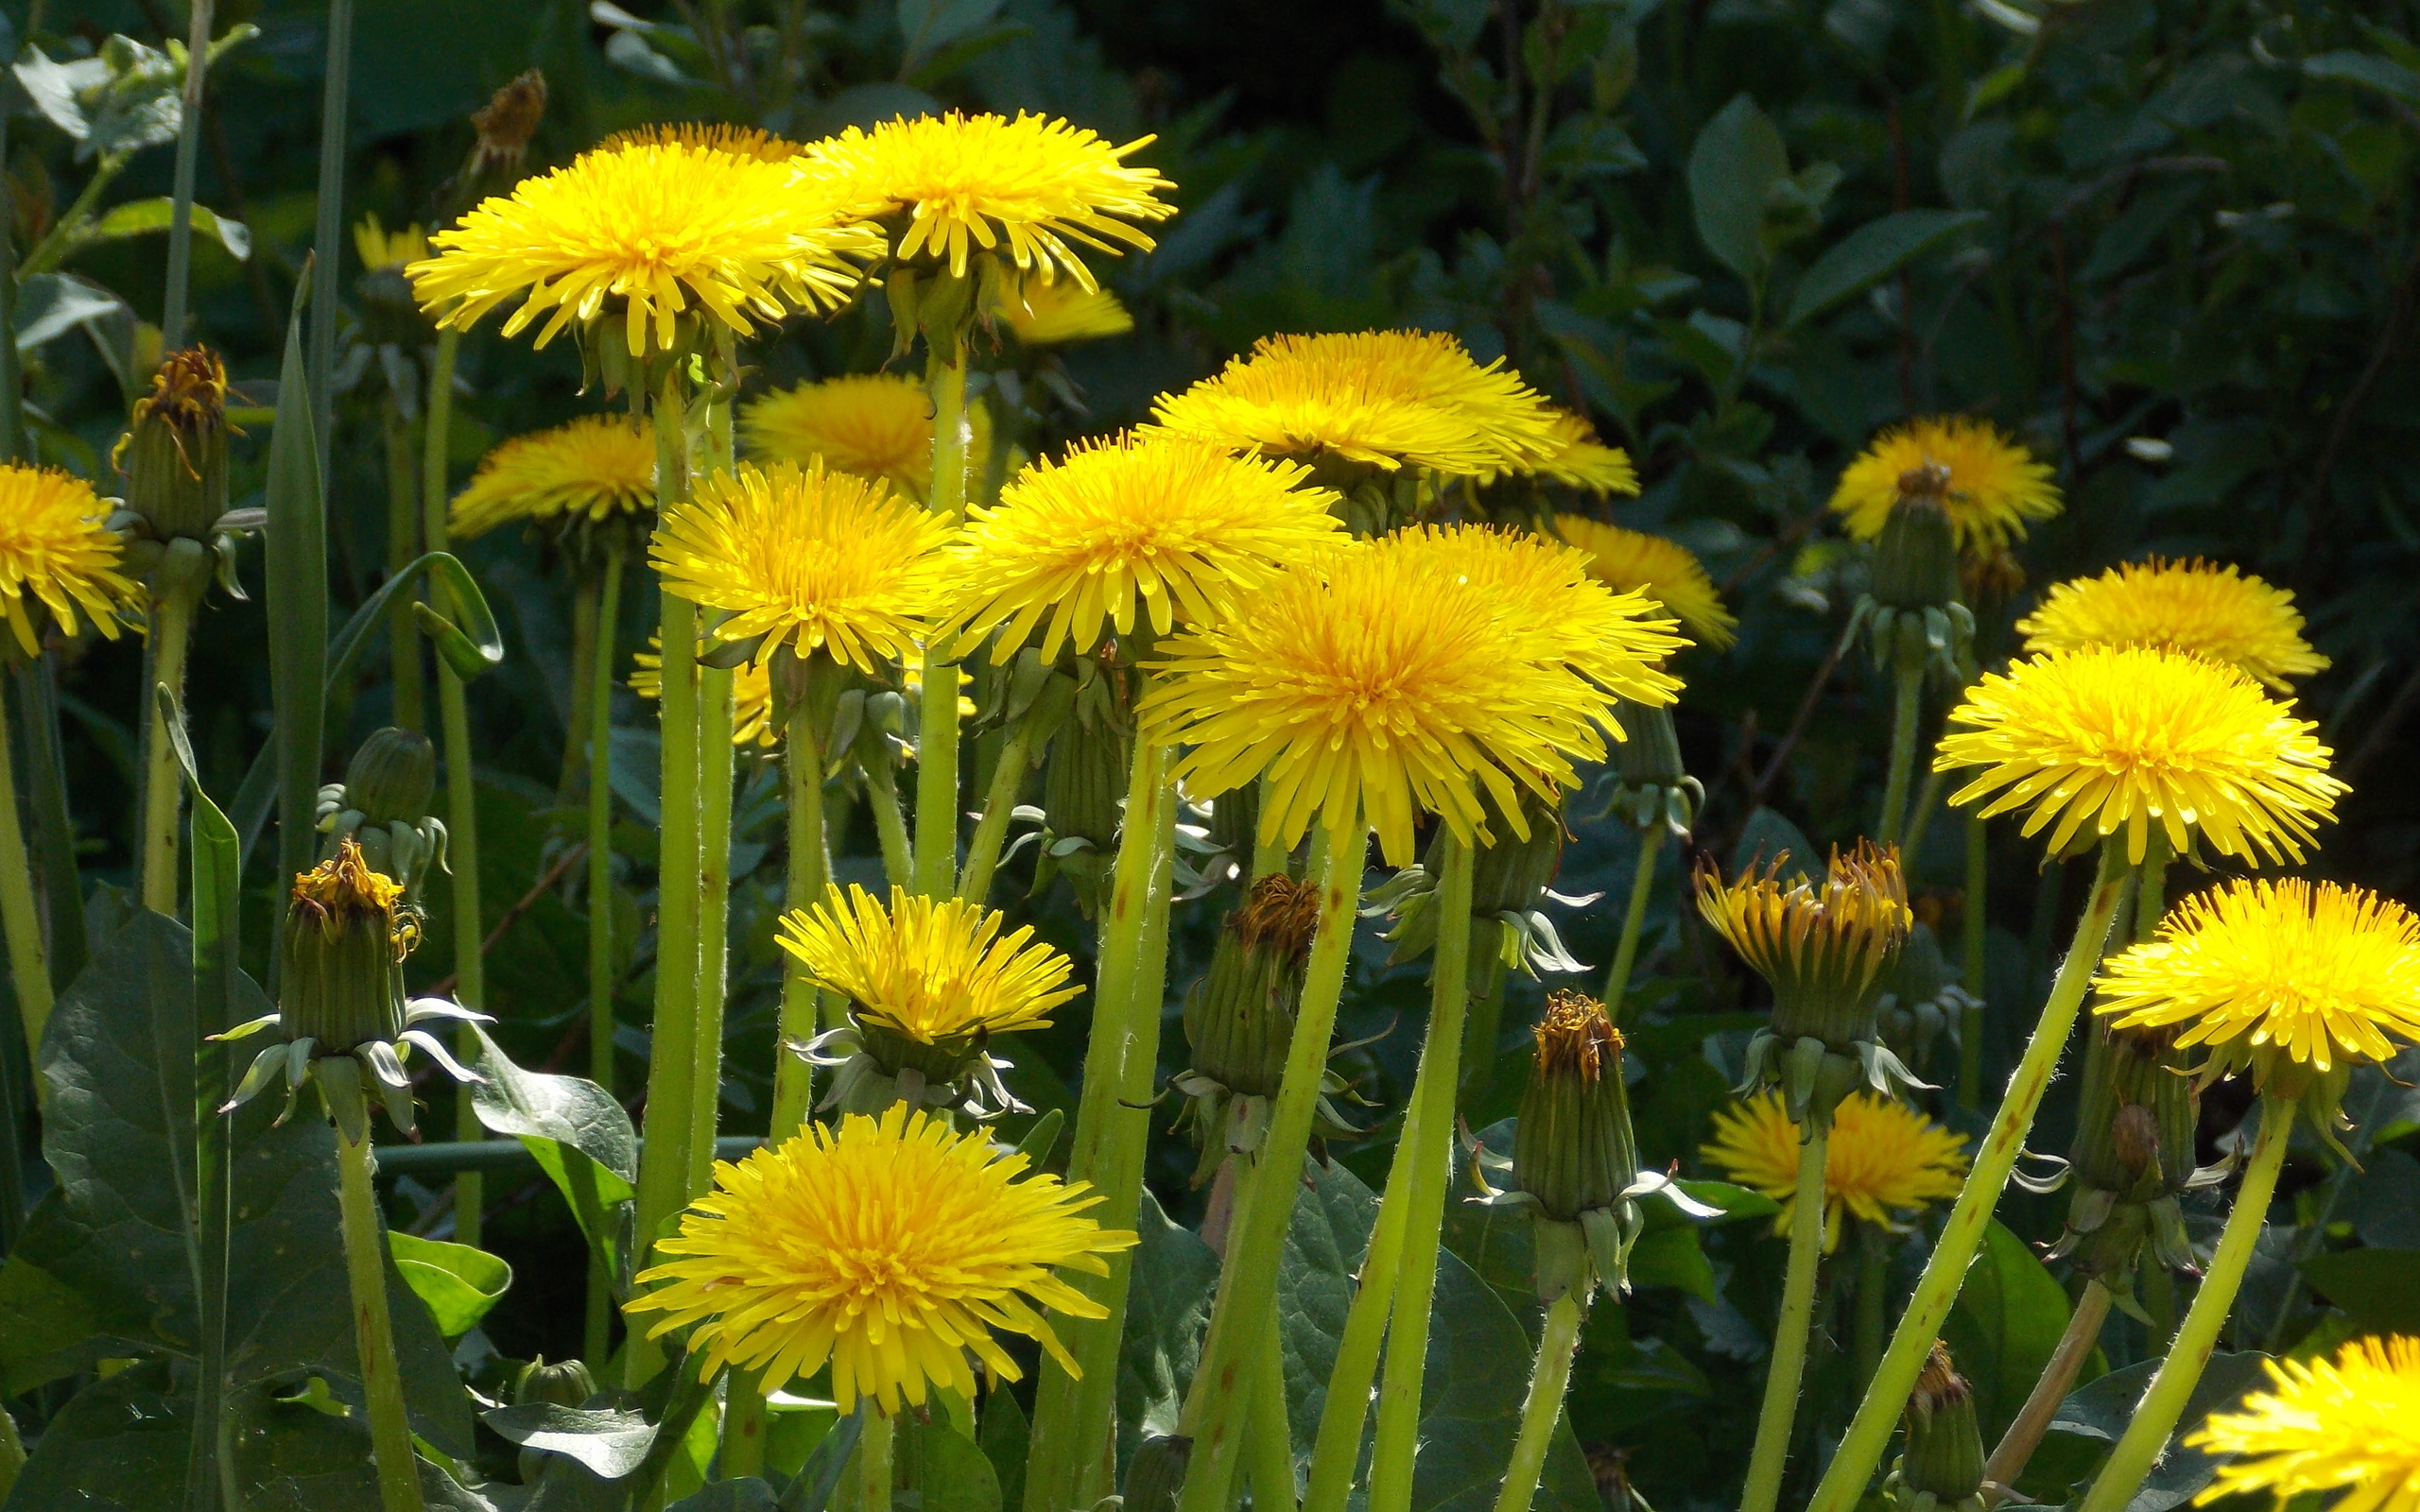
(342, 891)
(2349, 1424)
(1389, 399)
(1041, 313)
(751, 695)
(1938, 1384)
(57, 554)
(1279, 911)
(1633, 561)
(647, 232)
(381, 249)
(593, 470)
(1034, 188)
(1826, 947)
(1883, 1159)
(506, 123)
(891, 1249)
(189, 392)
(874, 426)
(936, 974)
(2121, 738)
(2194, 607)
(1576, 1036)
(1126, 527)
(808, 560)
(1995, 488)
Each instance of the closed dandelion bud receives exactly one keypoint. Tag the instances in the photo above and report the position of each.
(392, 776)
(1915, 559)
(564, 1384)
(1155, 1476)
(1083, 786)
(1942, 1464)
(1575, 1160)
(345, 942)
(1508, 879)
(2132, 1155)
(175, 453)
(1240, 1018)
(1655, 788)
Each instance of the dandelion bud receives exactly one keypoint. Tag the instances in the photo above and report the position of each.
(1083, 784)
(1508, 879)
(1573, 1151)
(2132, 1156)
(1915, 559)
(345, 944)
(392, 776)
(504, 125)
(1942, 1464)
(175, 453)
(566, 1384)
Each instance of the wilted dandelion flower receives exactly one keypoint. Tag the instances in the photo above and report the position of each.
(892, 1249)
(933, 972)
(2182, 606)
(2120, 738)
(808, 559)
(2349, 1424)
(1030, 186)
(1633, 561)
(1389, 399)
(585, 473)
(1995, 486)
(648, 231)
(876, 425)
(55, 551)
(1883, 1159)
(751, 695)
(1128, 528)
(1050, 314)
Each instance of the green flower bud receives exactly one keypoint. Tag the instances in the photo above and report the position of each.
(174, 452)
(566, 1384)
(1573, 1149)
(1083, 784)
(1239, 1019)
(392, 776)
(1915, 559)
(1942, 1464)
(346, 939)
(1155, 1476)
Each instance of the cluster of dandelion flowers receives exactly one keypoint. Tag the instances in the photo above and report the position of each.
(594, 470)
(876, 425)
(1387, 399)
(57, 551)
(1633, 561)
(806, 558)
(891, 1249)
(1883, 1159)
(1047, 313)
(1996, 489)
(751, 695)
(2349, 1424)
(647, 230)
(933, 972)
(2182, 606)
(2122, 737)
(1131, 529)
(2280, 977)
(1375, 681)
(1035, 186)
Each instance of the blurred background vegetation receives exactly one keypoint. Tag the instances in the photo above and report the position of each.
(2170, 245)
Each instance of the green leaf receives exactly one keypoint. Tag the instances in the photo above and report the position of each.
(458, 1283)
(580, 1137)
(1005, 1436)
(140, 218)
(929, 26)
(297, 538)
(1673, 1256)
(1734, 166)
(944, 1468)
(2005, 1327)
(2379, 1287)
(1872, 252)
(1167, 1304)
(51, 304)
(749, 1495)
(2103, 1410)
(611, 1442)
(2371, 70)
(1766, 838)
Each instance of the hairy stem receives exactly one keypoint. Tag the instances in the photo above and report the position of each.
(1650, 843)
(1907, 701)
(983, 853)
(365, 1264)
(1766, 1460)
(602, 972)
(1970, 969)
(935, 864)
(2058, 1377)
(1542, 1407)
(172, 613)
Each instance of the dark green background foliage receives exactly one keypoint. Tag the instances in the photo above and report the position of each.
(2171, 246)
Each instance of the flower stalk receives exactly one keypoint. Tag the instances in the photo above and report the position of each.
(936, 843)
(1642, 883)
(29, 969)
(715, 773)
(2024, 1436)
(1542, 1407)
(1766, 1461)
(176, 595)
(602, 970)
(365, 1264)
(1907, 702)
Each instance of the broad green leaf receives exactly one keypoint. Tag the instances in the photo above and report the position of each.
(460, 1283)
(2005, 1327)
(2103, 1410)
(749, 1495)
(1673, 1256)
(943, 1469)
(611, 1442)
(1734, 166)
(579, 1133)
(51, 304)
(1872, 252)
(2379, 1287)
(1168, 1305)
(140, 218)
(1005, 1436)
(2372, 70)
(1768, 838)
(297, 545)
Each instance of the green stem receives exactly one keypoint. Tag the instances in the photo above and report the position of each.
(403, 549)
(2156, 1416)
(1766, 1462)
(810, 873)
(1271, 1471)
(581, 683)
(602, 971)
(28, 973)
(1008, 780)
(1650, 842)
(1920, 816)
(1337, 1447)
(172, 614)
(1485, 1024)
(1248, 1282)
(936, 865)
(1873, 1296)
(1432, 1165)
(172, 323)
(1970, 969)
(1074, 1416)
(715, 758)
(365, 1264)
(1869, 1433)
(872, 1483)
(327, 233)
(1907, 701)
(68, 232)
(2024, 1436)
(890, 825)
(1543, 1408)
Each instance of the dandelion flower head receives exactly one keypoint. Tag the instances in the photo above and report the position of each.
(1632, 562)
(934, 972)
(55, 551)
(1579, 460)
(1996, 489)
(751, 695)
(1883, 1158)
(707, 136)
(585, 473)
(2349, 1424)
(2184, 606)
(382, 249)
(1043, 313)
(1828, 940)
(876, 425)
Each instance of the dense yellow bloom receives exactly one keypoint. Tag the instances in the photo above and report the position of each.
(1883, 1158)
(2350, 1424)
(751, 695)
(1130, 527)
(1375, 681)
(2185, 606)
(2260, 970)
(1579, 460)
(55, 551)
(1032, 186)
(589, 471)
(2121, 738)
(934, 972)
(892, 1248)
(809, 559)
(707, 136)
(1388, 398)
(1041, 314)
(1633, 561)
(1995, 486)
(1815, 941)
(380, 248)
(659, 226)
(876, 425)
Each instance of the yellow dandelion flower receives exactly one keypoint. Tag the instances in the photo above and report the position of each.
(1633, 561)
(1387, 398)
(55, 551)
(892, 1249)
(2185, 606)
(809, 559)
(2265, 972)
(751, 695)
(1995, 486)
(1817, 942)
(1046, 314)
(2118, 737)
(876, 425)
(381, 249)
(590, 471)
(1579, 460)
(2350, 1424)
(933, 972)
(1032, 185)
(1883, 1159)
(1128, 527)
(707, 136)
(654, 230)
(1375, 681)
